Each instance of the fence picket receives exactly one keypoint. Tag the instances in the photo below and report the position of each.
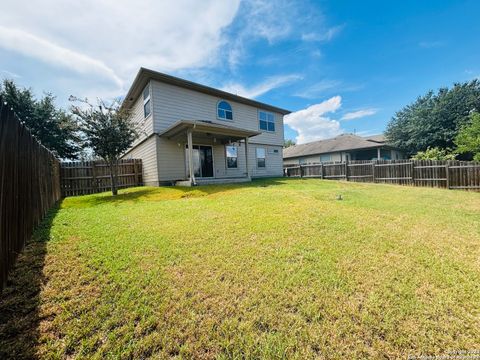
(452, 174)
(82, 178)
(29, 186)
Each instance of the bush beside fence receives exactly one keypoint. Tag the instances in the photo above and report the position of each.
(29, 186)
(90, 177)
(451, 174)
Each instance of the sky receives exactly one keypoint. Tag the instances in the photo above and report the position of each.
(340, 66)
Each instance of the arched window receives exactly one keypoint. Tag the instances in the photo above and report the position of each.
(224, 110)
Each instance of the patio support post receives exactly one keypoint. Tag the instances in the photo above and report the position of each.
(190, 157)
(246, 157)
(378, 153)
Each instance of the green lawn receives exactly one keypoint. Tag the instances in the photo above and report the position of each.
(273, 269)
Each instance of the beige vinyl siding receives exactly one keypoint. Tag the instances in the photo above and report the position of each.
(147, 151)
(171, 159)
(143, 125)
(273, 161)
(292, 161)
(313, 159)
(220, 162)
(172, 103)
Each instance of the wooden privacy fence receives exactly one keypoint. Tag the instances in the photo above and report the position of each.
(431, 173)
(29, 186)
(89, 177)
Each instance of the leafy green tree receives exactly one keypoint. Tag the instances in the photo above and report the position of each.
(107, 130)
(434, 119)
(434, 154)
(468, 138)
(289, 142)
(52, 126)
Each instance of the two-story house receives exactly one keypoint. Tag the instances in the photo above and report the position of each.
(193, 134)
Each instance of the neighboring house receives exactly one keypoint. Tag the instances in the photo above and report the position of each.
(341, 148)
(191, 133)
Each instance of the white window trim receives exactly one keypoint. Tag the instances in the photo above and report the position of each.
(216, 111)
(226, 158)
(149, 98)
(265, 158)
(274, 121)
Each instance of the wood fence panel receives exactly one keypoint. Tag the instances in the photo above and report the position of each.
(451, 174)
(90, 177)
(29, 186)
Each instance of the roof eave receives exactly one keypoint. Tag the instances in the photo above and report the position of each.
(337, 150)
(144, 75)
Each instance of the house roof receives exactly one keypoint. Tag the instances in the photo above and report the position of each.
(144, 75)
(208, 127)
(343, 142)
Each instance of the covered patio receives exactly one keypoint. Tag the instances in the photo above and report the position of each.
(199, 158)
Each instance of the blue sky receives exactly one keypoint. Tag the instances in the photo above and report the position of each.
(340, 66)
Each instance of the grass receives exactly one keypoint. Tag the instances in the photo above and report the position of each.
(275, 269)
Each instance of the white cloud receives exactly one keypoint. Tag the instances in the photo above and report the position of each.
(359, 114)
(323, 86)
(313, 123)
(115, 37)
(10, 75)
(262, 88)
(318, 88)
(258, 20)
(31, 45)
(325, 36)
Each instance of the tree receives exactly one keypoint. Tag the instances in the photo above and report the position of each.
(434, 154)
(289, 142)
(468, 138)
(107, 129)
(434, 119)
(52, 126)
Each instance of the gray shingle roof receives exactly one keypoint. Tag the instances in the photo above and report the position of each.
(343, 142)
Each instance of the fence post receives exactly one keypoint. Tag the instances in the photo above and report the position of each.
(413, 172)
(373, 169)
(321, 170)
(94, 177)
(135, 170)
(447, 173)
(346, 169)
(301, 170)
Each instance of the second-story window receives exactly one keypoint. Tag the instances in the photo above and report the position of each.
(224, 110)
(266, 120)
(146, 101)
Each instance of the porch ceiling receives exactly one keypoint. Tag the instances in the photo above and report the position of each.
(178, 131)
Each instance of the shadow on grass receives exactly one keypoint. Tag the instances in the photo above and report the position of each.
(20, 300)
(177, 192)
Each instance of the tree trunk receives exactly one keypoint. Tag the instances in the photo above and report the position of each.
(113, 176)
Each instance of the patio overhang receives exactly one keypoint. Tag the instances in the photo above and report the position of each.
(222, 133)
(197, 130)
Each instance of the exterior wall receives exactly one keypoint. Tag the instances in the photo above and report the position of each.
(147, 152)
(397, 155)
(172, 161)
(273, 161)
(313, 159)
(341, 156)
(143, 125)
(164, 160)
(172, 103)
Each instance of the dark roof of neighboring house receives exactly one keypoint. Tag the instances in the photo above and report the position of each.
(377, 138)
(144, 75)
(343, 142)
